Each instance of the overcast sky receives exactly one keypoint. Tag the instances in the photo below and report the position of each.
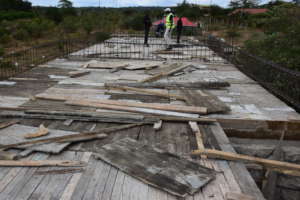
(122, 3)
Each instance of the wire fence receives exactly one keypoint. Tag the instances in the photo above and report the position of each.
(280, 81)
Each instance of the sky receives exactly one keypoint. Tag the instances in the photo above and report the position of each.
(124, 3)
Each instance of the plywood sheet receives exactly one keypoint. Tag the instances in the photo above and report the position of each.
(163, 170)
(16, 133)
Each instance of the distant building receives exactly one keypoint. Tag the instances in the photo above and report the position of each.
(250, 11)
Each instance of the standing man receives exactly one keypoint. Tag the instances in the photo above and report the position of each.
(147, 25)
(179, 29)
(169, 27)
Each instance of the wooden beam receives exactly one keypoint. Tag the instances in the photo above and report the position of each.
(186, 119)
(41, 163)
(168, 107)
(131, 109)
(164, 74)
(151, 92)
(9, 123)
(164, 85)
(238, 157)
(71, 138)
(199, 136)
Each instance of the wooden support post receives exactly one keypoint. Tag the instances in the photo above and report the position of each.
(199, 137)
(238, 157)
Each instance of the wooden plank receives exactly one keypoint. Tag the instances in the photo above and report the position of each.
(131, 109)
(9, 123)
(239, 157)
(238, 196)
(4, 155)
(270, 183)
(204, 99)
(15, 135)
(84, 182)
(173, 85)
(16, 181)
(75, 74)
(72, 138)
(43, 163)
(177, 67)
(199, 136)
(156, 168)
(41, 132)
(239, 171)
(186, 119)
(168, 107)
(97, 184)
(52, 185)
(151, 92)
(70, 188)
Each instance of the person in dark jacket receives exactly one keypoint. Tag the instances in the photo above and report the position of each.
(179, 29)
(147, 26)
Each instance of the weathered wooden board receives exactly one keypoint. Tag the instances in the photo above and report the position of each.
(167, 107)
(131, 109)
(155, 167)
(164, 85)
(204, 99)
(16, 133)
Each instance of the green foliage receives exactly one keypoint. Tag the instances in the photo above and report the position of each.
(243, 3)
(2, 52)
(5, 39)
(69, 24)
(54, 14)
(190, 11)
(13, 15)
(19, 5)
(134, 22)
(36, 27)
(233, 33)
(21, 34)
(281, 41)
(102, 36)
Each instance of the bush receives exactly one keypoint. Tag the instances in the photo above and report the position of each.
(102, 36)
(2, 52)
(233, 33)
(21, 34)
(5, 39)
(69, 24)
(134, 22)
(13, 15)
(38, 26)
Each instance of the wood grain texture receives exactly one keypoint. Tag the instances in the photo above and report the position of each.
(155, 167)
(239, 157)
(168, 107)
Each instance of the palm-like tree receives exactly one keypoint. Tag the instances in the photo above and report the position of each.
(65, 4)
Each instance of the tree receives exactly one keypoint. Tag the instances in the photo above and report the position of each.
(243, 3)
(65, 4)
(19, 5)
(235, 4)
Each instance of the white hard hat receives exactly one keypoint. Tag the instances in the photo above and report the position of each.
(167, 10)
